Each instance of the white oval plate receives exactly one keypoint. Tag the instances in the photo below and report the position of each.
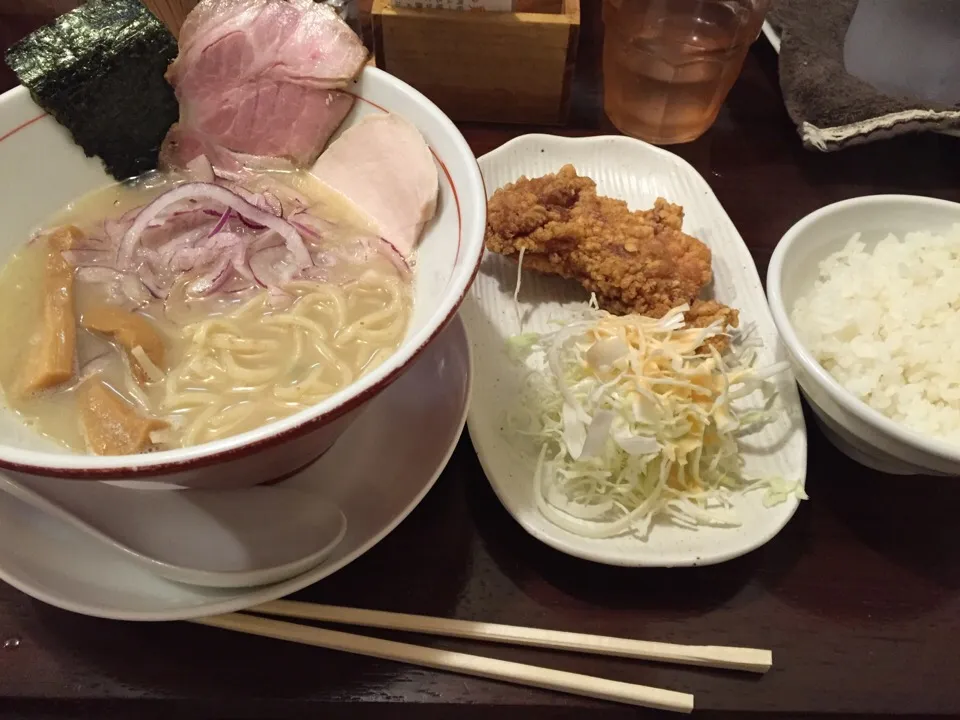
(638, 173)
(377, 473)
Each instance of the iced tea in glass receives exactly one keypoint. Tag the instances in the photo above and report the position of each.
(669, 64)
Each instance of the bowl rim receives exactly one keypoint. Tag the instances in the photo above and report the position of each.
(79, 466)
(844, 398)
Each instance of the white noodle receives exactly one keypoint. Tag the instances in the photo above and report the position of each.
(259, 363)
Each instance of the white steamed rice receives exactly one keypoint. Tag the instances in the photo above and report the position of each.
(886, 325)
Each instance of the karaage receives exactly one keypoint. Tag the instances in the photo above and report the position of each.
(634, 261)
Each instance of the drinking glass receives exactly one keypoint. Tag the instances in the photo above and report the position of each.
(669, 64)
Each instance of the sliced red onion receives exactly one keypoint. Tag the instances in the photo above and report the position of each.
(223, 173)
(213, 249)
(226, 240)
(252, 225)
(251, 197)
(237, 284)
(150, 281)
(133, 288)
(302, 202)
(362, 250)
(288, 272)
(124, 288)
(365, 248)
(185, 214)
(266, 240)
(188, 258)
(270, 267)
(317, 273)
(235, 248)
(221, 222)
(226, 164)
(96, 242)
(303, 229)
(187, 239)
(396, 257)
(323, 258)
(159, 245)
(213, 278)
(115, 230)
(272, 203)
(313, 225)
(238, 258)
(358, 252)
(257, 200)
(152, 258)
(207, 191)
(130, 215)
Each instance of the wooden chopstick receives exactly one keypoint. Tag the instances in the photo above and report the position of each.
(511, 672)
(735, 658)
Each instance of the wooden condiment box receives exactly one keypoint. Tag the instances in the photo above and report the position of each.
(487, 66)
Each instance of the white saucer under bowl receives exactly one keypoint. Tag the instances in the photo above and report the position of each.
(376, 473)
(637, 173)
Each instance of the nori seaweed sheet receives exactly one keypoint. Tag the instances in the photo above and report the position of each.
(99, 71)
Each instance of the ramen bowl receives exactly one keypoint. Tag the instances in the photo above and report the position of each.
(42, 169)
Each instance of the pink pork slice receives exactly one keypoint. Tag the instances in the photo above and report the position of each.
(384, 167)
(262, 77)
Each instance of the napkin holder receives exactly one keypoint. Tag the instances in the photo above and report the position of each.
(510, 67)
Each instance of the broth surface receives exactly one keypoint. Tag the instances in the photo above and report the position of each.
(231, 363)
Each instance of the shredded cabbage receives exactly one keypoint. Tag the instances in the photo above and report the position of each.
(635, 422)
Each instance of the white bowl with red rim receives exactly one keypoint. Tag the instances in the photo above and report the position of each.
(42, 169)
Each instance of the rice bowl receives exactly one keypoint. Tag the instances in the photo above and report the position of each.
(884, 323)
(861, 430)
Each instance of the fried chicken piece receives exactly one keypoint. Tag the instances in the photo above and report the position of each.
(704, 313)
(635, 262)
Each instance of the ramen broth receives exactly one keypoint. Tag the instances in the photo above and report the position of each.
(233, 361)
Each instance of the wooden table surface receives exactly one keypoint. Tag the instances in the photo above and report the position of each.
(859, 596)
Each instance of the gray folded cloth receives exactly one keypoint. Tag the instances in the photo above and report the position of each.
(831, 108)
